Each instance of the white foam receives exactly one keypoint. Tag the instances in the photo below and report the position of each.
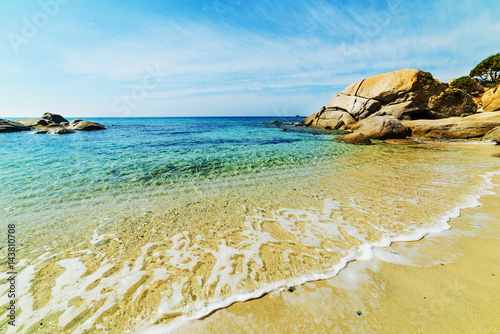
(365, 252)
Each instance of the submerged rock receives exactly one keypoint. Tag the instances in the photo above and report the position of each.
(12, 126)
(60, 131)
(355, 138)
(402, 141)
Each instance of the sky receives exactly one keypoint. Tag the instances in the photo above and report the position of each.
(130, 58)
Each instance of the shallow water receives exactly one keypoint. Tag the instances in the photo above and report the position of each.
(156, 221)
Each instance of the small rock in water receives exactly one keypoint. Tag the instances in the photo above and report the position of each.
(359, 313)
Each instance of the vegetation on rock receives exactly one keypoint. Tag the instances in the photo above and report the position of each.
(467, 84)
(488, 71)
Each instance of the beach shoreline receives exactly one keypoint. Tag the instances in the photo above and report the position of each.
(444, 283)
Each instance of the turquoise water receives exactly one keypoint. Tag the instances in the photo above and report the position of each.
(43, 173)
(156, 221)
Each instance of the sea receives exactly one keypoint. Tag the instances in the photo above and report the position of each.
(156, 222)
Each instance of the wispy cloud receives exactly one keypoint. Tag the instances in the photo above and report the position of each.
(278, 47)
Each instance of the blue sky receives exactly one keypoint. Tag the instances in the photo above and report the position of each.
(87, 58)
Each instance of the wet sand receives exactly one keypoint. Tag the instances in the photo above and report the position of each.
(444, 283)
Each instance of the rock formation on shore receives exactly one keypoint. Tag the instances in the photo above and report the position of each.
(49, 124)
(491, 99)
(405, 103)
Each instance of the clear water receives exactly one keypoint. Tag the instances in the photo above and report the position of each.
(159, 220)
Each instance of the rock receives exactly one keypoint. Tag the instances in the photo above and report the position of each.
(402, 142)
(41, 132)
(406, 94)
(496, 155)
(381, 127)
(54, 118)
(43, 122)
(357, 107)
(493, 134)
(64, 123)
(60, 131)
(85, 125)
(12, 126)
(334, 119)
(355, 138)
(452, 102)
(274, 122)
(73, 122)
(29, 122)
(391, 86)
(310, 119)
(474, 126)
(491, 99)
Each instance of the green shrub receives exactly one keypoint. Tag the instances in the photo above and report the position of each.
(467, 84)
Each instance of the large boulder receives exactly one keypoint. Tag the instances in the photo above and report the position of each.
(78, 124)
(54, 118)
(355, 138)
(406, 94)
(381, 127)
(491, 99)
(12, 126)
(388, 87)
(474, 126)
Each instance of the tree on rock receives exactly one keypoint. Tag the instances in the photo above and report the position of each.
(488, 70)
(471, 86)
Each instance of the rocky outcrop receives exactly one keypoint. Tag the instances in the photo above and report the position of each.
(330, 119)
(402, 95)
(78, 124)
(381, 127)
(355, 138)
(475, 126)
(491, 99)
(12, 126)
(49, 124)
(451, 103)
(54, 118)
(29, 122)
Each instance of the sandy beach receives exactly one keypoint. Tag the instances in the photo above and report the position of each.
(444, 283)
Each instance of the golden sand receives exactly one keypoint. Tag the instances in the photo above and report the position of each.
(451, 284)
